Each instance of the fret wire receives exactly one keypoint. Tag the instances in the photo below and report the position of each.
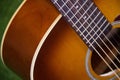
(101, 56)
(103, 30)
(102, 17)
(107, 55)
(108, 40)
(79, 8)
(80, 1)
(63, 11)
(83, 14)
(98, 35)
(63, 5)
(54, 1)
(68, 16)
(92, 8)
(87, 27)
(57, 4)
(92, 11)
(100, 27)
(88, 18)
(80, 31)
(87, 5)
(95, 25)
(88, 41)
(98, 30)
(104, 24)
(105, 61)
(95, 15)
(107, 46)
(96, 39)
(84, 38)
(60, 9)
(69, 12)
(105, 27)
(74, 14)
(65, 14)
(83, 35)
(70, 8)
(69, 4)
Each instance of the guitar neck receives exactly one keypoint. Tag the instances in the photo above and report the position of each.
(85, 18)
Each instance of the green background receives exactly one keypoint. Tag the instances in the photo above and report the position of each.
(7, 74)
(7, 9)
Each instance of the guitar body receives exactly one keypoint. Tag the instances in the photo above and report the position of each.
(40, 45)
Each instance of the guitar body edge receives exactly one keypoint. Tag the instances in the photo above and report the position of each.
(25, 32)
(5, 32)
(40, 45)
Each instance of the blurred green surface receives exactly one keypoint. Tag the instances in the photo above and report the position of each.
(7, 9)
(6, 74)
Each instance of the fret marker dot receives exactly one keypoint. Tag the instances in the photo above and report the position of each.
(76, 6)
(85, 17)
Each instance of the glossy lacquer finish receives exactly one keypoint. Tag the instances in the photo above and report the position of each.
(7, 9)
(63, 54)
(25, 33)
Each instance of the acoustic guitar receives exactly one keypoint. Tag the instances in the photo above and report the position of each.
(64, 40)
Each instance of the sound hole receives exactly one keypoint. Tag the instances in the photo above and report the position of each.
(98, 65)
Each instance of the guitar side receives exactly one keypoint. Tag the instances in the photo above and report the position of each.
(63, 54)
(24, 34)
(7, 9)
(67, 61)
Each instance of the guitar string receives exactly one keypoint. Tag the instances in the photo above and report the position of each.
(97, 30)
(109, 49)
(106, 44)
(105, 52)
(105, 61)
(111, 60)
(101, 32)
(118, 37)
(110, 43)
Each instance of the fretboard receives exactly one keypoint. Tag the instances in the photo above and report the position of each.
(85, 18)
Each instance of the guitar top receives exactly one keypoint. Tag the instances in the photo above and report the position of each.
(63, 40)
